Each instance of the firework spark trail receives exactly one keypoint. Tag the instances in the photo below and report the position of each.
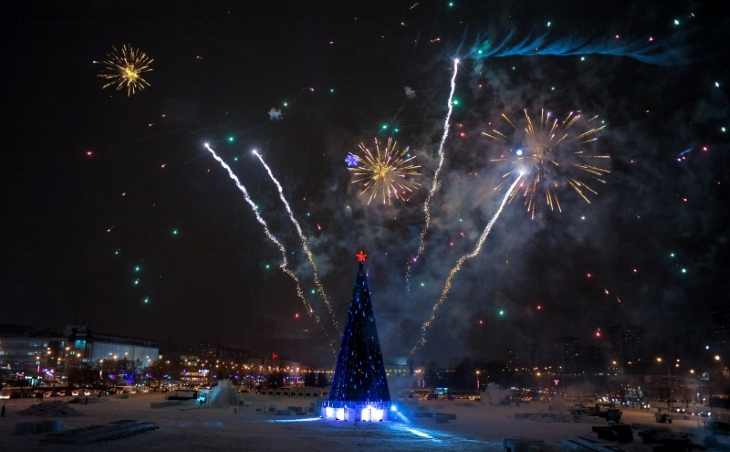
(434, 183)
(659, 52)
(303, 238)
(271, 237)
(459, 263)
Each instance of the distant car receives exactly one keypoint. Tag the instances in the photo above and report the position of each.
(636, 403)
(48, 394)
(75, 393)
(87, 392)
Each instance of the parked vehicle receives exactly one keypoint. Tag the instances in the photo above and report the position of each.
(15, 392)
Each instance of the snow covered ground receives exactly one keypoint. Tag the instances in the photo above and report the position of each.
(190, 427)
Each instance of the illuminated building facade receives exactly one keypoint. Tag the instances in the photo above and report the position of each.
(32, 356)
(95, 348)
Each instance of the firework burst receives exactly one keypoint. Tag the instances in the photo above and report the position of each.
(125, 68)
(553, 153)
(386, 172)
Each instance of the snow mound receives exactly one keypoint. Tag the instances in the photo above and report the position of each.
(50, 409)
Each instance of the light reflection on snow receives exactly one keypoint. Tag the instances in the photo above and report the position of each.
(421, 434)
(393, 431)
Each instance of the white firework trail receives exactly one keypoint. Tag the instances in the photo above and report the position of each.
(303, 238)
(271, 237)
(434, 183)
(475, 252)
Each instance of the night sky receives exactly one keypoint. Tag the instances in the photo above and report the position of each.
(116, 215)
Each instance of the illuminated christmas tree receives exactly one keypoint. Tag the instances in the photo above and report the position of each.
(359, 388)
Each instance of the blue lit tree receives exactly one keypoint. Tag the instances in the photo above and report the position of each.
(360, 373)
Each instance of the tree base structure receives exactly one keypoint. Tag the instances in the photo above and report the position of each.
(355, 411)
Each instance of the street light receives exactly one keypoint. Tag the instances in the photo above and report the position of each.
(631, 378)
(709, 384)
(669, 375)
(65, 359)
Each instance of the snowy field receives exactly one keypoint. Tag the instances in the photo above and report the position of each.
(190, 427)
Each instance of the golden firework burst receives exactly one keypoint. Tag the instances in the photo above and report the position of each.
(385, 173)
(552, 153)
(125, 68)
